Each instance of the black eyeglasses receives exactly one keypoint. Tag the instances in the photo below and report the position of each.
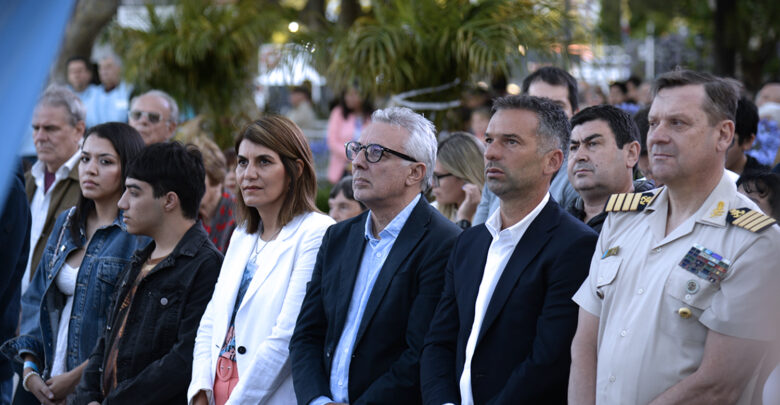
(152, 116)
(373, 152)
(437, 178)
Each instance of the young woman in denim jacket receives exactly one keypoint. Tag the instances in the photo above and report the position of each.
(64, 310)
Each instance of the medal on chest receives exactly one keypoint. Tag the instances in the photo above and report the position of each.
(705, 263)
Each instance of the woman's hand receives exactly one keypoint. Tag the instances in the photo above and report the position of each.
(200, 398)
(62, 385)
(469, 205)
(39, 388)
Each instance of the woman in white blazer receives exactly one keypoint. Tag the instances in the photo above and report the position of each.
(241, 350)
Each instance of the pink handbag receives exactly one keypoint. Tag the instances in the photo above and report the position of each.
(225, 380)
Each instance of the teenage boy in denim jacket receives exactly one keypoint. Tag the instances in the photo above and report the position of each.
(145, 354)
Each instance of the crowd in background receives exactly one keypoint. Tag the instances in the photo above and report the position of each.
(139, 269)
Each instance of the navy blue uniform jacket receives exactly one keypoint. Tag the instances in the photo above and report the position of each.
(384, 367)
(522, 354)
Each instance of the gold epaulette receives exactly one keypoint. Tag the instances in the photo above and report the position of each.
(753, 221)
(627, 202)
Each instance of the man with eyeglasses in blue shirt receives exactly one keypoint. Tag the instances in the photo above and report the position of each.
(154, 115)
(378, 276)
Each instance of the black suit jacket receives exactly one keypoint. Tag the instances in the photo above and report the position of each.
(385, 361)
(522, 354)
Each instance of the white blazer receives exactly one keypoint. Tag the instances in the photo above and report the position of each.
(266, 317)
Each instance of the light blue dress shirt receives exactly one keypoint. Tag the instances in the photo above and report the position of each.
(109, 106)
(88, 99)
(373, 258)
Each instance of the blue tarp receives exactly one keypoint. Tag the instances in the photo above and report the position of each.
(31, 33)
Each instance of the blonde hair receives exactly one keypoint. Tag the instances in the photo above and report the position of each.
(213, 160)
(462, 155)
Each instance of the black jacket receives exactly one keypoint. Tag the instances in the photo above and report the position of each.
(576, 207)
(522, 351)
(15, 239)
(154, 362)
(384, 367)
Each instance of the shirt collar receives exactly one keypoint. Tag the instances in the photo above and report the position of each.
(64, 170)
(394, 227)
(493, 223)
(714, 208)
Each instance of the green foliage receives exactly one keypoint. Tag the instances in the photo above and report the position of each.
(749, 29)
(323, 193)
(204, 55)
(409, 44)
(666, 15)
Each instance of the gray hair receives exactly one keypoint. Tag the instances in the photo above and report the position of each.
(554, 129)
(113, 56)
(421, 144)
(60, 96)
(172, 106)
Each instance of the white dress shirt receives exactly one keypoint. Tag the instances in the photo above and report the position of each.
(39, 206)
(501, 249)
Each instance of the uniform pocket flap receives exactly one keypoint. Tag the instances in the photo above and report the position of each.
(691, 289)
(608, 270)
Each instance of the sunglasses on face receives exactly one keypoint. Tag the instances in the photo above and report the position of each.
(374, 152)
(153, 117)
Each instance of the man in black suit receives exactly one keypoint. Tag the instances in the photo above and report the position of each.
(378, 276)
(502, 330)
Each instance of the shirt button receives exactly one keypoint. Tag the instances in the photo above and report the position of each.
(241, 350)
(612, 378)
(378, 254)
(640, 291)
(164, 301)
(688, 297)
(623, 333)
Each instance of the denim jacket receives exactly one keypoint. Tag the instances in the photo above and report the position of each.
(106, 257)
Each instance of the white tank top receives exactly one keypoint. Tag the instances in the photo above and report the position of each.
(66, 283)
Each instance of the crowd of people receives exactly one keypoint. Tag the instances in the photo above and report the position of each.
(568, 248)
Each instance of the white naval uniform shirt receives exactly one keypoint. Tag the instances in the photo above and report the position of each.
(501, 249)
(638, 290)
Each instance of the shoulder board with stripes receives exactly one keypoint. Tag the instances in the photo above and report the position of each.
(628, 202)
(753, 221)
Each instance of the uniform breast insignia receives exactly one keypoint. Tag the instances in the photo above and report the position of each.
(719, 211)
(611, 252)
(627, 202)
(753, 221)
(706, 264)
